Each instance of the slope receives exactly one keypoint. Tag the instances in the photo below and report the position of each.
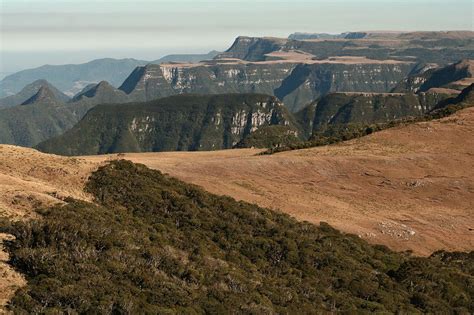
(426, 167)
(452, 77)
(30, 179)
(184, 122)
(154, 244)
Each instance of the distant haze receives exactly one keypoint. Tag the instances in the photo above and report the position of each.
(37, 32)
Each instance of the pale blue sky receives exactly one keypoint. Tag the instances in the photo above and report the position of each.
(35, 32)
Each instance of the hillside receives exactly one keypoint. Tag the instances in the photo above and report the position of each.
(49, 113)
(131, 252)
(100, 93)
(178, 123)
(369, 108)
(30, 179)
(44, 114)
(425, 167)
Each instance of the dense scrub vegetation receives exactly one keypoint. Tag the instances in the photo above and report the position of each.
(269, 136)
(177, 123)
(153, 244)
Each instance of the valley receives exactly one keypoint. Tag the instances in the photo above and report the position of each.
(318, 172)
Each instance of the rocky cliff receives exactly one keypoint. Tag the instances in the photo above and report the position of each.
(184, 122)
(295, 83)
(368, 108)
(456, 76)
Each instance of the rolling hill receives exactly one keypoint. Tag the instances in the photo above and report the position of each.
(130, 252)
(426, 167)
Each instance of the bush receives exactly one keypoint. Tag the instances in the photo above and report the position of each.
(153, 244)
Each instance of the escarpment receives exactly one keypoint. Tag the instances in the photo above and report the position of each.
(178, 123)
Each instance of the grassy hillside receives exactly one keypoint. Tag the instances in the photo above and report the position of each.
(178, 123)
(153, 244)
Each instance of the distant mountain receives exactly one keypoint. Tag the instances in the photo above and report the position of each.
(421, 47)
(101, 93)
(29, 91)
(44, 96)
(72, 78)
(306, 36)
(184, 122)
(41, 112)
(39, 118)
(191, 58)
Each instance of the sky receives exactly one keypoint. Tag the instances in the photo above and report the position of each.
(37, 32)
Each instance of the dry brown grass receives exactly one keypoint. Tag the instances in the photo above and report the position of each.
(409, 187)
(30, 179)
(289, 57)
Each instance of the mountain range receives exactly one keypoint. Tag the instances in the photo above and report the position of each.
(52, 116)
(194, 122)
(320, 85)
(72, 78)
(349, 187)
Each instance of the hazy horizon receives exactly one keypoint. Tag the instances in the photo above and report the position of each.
(38, 32)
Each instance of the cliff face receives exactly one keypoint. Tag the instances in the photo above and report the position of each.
(252, 48)
(185, 122)
(296, 84)
(454, 76)
(368, 108)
